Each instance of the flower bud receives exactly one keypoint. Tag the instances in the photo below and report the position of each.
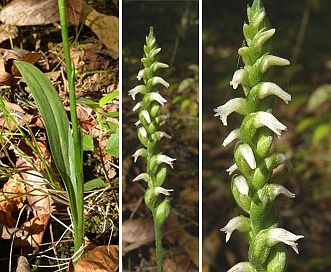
(162, 212)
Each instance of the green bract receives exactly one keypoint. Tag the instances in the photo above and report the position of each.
(251, 189)
(150, 135)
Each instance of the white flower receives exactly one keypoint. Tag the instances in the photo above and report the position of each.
(142, 132)
(138, 89)
(240, 223)
(269, 88)
(157, 97)
(246, 151)
(241, 184)
(159, 80)
(160, 134)
(234, 134)
(137, 106)
(143, 176)
(271, 60)
(233, 105)
(157, 65)
(166, 159)
(276, 189)
(145, 114)
(161, 190)
(241, 267)
(141, 73)
(267, 119)
(137, 123)
(232, 168)
(138, 153)
(239, 76)
(281, 235)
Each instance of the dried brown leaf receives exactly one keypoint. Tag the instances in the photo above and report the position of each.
(105, 27)
(30, 12)
(101, 259)
(136, 233)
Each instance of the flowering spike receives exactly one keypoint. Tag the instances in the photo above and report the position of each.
(148, 130)
(251, 188)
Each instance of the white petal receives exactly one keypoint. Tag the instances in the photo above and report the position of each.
(157, 97)
(238, 78)
(234, 134)
(145, 114)
(247, 152)
(137, 123)
(232, 168)
(159, 65)
(138, 89)
(240, 223)
(281, 235)
(276, 190)
(159, 80)
(269, 88)
(137, 106)
(241, 267)
(233, 105)
(161, 190)
(267, 119)
(241, 183)
(140, 75)
(142, 176)
(138, 153)
(142, 132)
(271, 60)
(166, 159)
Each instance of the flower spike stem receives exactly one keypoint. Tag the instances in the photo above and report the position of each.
(150, 120)
(254, 164)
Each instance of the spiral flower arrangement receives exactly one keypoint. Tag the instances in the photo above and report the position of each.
(150, 135)
(254, 164)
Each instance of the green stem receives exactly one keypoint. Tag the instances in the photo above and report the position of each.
(77, 207)
(158, 245)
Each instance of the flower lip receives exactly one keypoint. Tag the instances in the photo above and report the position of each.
(234, 105)
(234, 134)
(281, 235)
(140, 152)
(166, 159)
(240, 223)
(267, 119)
(157, 97)
(138, 89)
(239, 77)
(232, 168)
(269, 88)
(159, 80)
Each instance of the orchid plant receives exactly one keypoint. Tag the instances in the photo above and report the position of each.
(254, 163)
(150, 135)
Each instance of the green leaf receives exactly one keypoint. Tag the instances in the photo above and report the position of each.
(109, 97)
(112, 146)
(94, 184)
(88, 102)
(88, 143)
(55, 119)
